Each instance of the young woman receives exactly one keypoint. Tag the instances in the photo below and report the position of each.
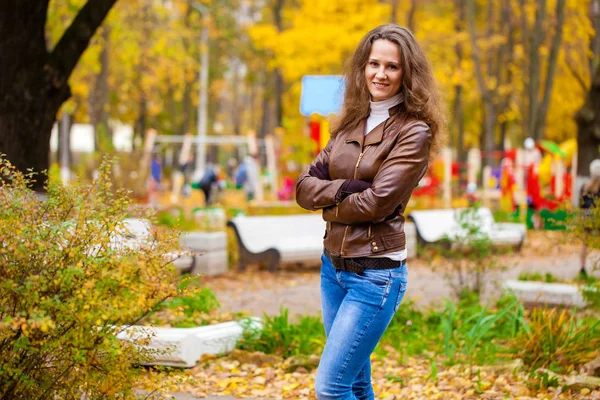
(590, 197)
(391, 123)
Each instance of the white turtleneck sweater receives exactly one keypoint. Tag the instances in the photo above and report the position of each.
(379, 113)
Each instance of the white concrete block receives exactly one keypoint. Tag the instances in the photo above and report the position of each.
(546, 293)
(183, 347)
(411, 239)
(220, 338)
(212, 263)
(183, 263)
(204, 241)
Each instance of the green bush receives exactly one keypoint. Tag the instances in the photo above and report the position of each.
(464, 332)
(195, 305)
(584, 227)
(282, 337)
(471, 256)
(538, 277)
(69, 281)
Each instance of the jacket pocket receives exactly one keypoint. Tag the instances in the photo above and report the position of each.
(396, 240)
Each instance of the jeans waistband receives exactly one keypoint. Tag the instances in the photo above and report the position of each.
(359, 264)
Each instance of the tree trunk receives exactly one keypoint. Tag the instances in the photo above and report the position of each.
(542, 113)
(277, 76)
(523, 99)
(393, 17)
(595, 42)
(458, 115)
(588, 128)
(68, 120)
(265, 121)
(411, 15)
(186, 114)
(141, 125)
(535, 67)
(236, 112)
(100, 92)
(33, 83)
(489, 115)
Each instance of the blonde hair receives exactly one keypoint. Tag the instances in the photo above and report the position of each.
(421, 97)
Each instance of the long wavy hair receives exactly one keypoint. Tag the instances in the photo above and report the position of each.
(422, 99)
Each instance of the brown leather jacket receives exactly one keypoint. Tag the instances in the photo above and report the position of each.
(394, 157)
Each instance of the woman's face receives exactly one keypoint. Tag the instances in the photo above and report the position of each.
(384, 70)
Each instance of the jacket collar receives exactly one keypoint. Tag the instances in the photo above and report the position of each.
(357, 134)
(376, 135)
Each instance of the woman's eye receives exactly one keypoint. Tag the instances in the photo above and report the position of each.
(393, 67)
(373, 63)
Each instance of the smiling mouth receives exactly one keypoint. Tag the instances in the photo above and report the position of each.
(380, 85)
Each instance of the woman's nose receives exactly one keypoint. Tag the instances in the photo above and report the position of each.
(380, 73)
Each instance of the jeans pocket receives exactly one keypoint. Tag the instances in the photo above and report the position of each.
(401, 276)
(401, 291)
(379, 277)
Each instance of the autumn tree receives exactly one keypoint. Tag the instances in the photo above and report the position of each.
(588, 117)
(540, 91)
(34, 78)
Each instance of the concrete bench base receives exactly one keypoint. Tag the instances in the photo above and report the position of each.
(211, 263)
(183, 347)
(553, 294)
(212, 251)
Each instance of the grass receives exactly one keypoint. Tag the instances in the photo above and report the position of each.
(465, 333)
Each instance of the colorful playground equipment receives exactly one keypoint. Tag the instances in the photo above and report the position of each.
(535, 180)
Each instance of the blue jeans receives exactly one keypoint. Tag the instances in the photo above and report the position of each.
(357, 308)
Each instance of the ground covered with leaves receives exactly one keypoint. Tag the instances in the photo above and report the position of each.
(417, 378)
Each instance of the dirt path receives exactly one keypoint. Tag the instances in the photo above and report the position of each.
(297, 288)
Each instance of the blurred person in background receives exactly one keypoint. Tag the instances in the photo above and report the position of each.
(247, 176)
(208, 181)
(589, 198)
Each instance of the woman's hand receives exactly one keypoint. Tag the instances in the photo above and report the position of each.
(352, 186)
(320, 171)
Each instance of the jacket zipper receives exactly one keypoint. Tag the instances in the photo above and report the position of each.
(360, 156)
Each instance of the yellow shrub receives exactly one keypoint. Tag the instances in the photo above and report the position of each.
(66, 288)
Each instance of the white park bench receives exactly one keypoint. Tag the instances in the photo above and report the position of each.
(274, 240)
(442, 226)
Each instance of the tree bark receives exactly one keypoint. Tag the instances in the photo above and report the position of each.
(411, 16)
(458, 115)
(277, 76)
(542, 113)
(535, 67)
(588, 128)
(265, 121)
(100, 97)
(66, 119)
(489, 119)
(33, 81)
(595, 42)
(393, 18)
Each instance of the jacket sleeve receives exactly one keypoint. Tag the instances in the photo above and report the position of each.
(393, 184)
(313, 193)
